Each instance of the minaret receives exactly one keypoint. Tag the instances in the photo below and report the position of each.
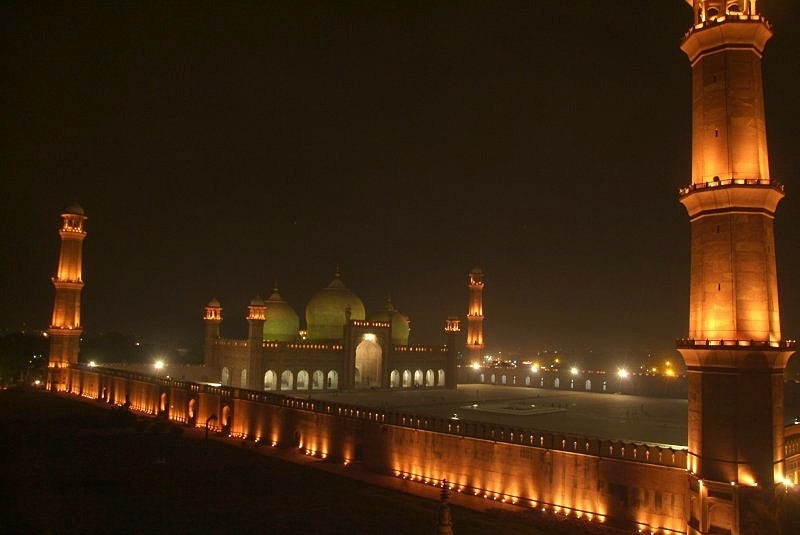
(65, 327)
(212, 318)
(475, 316)
(256, 316)
(734, 354)
(452, 329)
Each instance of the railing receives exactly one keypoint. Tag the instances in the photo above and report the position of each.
(732, 182)
(729, 17)
(660, 454)
(689, 343)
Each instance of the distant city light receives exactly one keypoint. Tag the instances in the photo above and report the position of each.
(535, 367)
(476, 365)
(623, 373)
(92, 364)
(159, 364)
(574, 370)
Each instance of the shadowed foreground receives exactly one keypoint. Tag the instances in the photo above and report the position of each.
(71, 466)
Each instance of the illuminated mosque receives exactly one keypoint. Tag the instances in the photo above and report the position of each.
(340, 348)
(740, 458)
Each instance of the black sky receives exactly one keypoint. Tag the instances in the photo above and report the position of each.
(219, 147)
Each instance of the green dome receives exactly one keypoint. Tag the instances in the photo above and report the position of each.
(401, 326)
(282, 323)
(326, 311)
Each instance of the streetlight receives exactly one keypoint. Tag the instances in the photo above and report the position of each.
(622, 373)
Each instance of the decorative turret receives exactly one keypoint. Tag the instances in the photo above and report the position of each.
(65, 327)
(734, 354)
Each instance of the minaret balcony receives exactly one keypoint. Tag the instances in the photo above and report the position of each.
(724, 31)
(715, 20)
(746, 194)
(780, 345)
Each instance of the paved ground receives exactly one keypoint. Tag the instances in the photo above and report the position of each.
(616, 416)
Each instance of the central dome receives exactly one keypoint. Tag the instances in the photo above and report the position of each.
(326, 312)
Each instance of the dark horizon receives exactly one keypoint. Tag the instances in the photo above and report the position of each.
(220, 150)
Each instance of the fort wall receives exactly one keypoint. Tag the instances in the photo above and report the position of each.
(632, 485)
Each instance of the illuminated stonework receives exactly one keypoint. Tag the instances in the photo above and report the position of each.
(734, 354)
(65, 327)
(475, 343)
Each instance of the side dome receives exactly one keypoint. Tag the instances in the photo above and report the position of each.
(282, 323)
(326, 312)
(401, 326)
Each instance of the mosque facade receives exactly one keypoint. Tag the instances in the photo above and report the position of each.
(340, 348)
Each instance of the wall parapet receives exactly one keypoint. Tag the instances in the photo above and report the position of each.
(647, 453)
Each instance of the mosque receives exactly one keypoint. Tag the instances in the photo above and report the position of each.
(740, 458)
(340, 348)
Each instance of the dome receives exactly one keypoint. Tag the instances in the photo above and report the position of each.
(401, 326)
(326, 311)
(282, 323)
(74, 208)
(214, 303)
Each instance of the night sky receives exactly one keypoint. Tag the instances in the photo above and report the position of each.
(218, 148)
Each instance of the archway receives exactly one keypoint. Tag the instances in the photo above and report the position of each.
(394, 379)
(191, 412)
(226, 376)
(225, 420)
(368, 365)
(588, 385)
(302, 380)
(556, 383)
(429, 381)
(333, 380)
(270, 378)
(406, 378)
(317, 380)
(418, 378)
(441, 378)
(244, 379)
(287, 380)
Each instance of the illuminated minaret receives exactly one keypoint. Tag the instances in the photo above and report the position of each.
(734, 354)
(212, 317)
(475, 316)
(65, 327)
(452, 329)
(256, 316)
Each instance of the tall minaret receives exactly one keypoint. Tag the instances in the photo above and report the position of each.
(65, 327)
(475, 316)
(212, 318)
(734, 354)
(256, 317)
